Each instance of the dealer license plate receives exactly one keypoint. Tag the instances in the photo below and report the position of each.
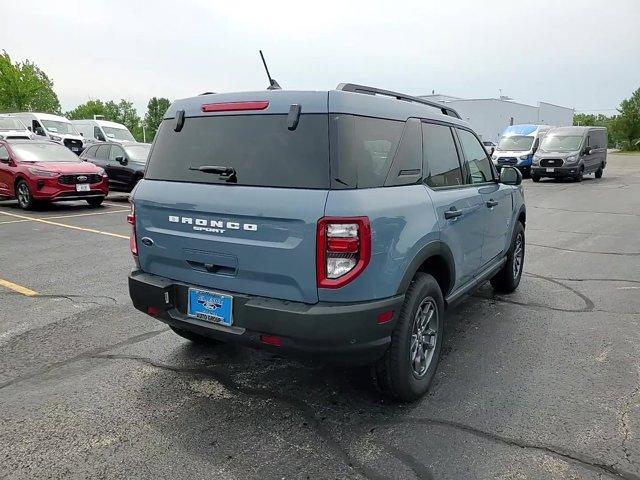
(550, 170)
(82, 187)
(210, 306)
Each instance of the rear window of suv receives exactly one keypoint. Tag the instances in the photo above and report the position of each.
(260, 148)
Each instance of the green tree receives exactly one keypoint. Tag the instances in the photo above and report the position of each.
(627, 123)
(87, 110)
(24, 87)
(156, 109)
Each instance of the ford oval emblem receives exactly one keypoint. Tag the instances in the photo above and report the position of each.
(147, 241)
(82, 178)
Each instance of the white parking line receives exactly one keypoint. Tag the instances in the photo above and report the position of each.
(90, 230)
(63, 216)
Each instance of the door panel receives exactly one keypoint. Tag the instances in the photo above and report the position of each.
(498, 202)
(6, 174)
(122, 174)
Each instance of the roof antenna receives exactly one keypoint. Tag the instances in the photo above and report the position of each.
(273, 85)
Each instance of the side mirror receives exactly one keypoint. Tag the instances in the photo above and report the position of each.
(40, 131)
(122, 160)
(587, 151)
(510, 176)
(492, 151)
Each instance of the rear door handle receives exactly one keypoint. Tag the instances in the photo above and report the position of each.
(453, 213)
(491, 203)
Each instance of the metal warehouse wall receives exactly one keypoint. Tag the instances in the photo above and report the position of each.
(490, 116)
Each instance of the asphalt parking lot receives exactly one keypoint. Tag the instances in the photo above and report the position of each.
(543, 383)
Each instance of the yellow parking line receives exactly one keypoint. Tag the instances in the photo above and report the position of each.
(90, 230)
(66, 216)
(18, 288)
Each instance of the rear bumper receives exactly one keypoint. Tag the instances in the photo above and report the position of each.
(330, 331)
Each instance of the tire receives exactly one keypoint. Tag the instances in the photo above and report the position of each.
(24, 196)
(194, 337)
(599, 172)
(535, 178)
(95, 201)
(508, 278)
(578, 177)
(407, 368)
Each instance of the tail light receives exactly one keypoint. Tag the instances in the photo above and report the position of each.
(131, 218)
(343, 250)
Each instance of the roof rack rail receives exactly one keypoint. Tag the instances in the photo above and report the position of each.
(352, 87)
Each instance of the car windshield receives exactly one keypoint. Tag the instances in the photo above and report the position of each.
(8, 123)
(561, 143)
(118, 133)
(138, 153)
(54, 126)
(43, 152)
(515, 143)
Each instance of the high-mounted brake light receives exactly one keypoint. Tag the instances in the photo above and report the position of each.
(343, 250)
(235, 106)
(131, 219)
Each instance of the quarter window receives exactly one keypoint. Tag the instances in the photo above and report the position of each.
(440, 156)
(103, 152)
(478, 166)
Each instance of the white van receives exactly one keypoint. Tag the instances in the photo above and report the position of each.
(54, 127)
(12, 128)
(517, 145)
(102, 131)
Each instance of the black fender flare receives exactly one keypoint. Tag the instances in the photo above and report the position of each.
(432, 249)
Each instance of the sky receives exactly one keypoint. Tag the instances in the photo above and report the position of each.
(581, 54)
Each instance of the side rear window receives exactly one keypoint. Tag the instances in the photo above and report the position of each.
(254, 150)
(103, 152)
(90, 152)
(362, 149)
(406, 168)
(442, 165)
(478, 166)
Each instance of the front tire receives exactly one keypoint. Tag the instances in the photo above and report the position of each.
(95, 201)
(599, 172)
(194, 337)
(24, 196)
(535, 178)
(579, 176)
(407, 368)
(508, 277)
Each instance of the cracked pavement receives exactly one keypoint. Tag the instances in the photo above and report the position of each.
(543, 383)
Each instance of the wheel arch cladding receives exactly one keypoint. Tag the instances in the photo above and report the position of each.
(436, 259)
(522, 216)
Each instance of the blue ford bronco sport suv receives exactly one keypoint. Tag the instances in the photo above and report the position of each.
(338, 224)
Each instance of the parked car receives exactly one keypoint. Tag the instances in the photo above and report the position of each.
(13, 128)
(35, 171)
(103, 131)
(52, 127)
(124, 163)
(571, 152)
(517, 145)
(489, 146)
(335, 224)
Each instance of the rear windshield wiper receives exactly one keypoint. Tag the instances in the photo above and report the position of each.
(228, 174)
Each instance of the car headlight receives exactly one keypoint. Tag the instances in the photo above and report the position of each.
(494, 157)
(42, 173)
(524, 157)
(571, 159)
(55, 138)
(536, 160)
(101, 172)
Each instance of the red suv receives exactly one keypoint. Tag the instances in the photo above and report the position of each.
(33, 171)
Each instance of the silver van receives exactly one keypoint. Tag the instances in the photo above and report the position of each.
(571, 152)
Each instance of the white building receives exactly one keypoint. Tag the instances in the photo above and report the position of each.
(490, 116)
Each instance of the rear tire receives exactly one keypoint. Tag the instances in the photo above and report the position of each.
(95, 202)
(24, 196)
(194, 337)
(408, 366)
(508, 278)
(599, 172)
(535, 178)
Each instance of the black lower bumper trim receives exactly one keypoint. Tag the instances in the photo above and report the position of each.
(332, 331)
